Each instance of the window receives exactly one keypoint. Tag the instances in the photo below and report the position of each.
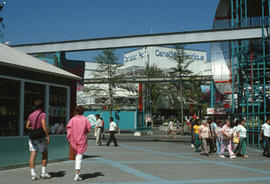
(9, 107)
(32, 92)
(57, 110)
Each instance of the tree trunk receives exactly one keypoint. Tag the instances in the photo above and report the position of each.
(110, 99)
(110, 90)
(181, 104)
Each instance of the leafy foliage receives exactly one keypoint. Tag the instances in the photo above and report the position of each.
(154, 89)
(107, 68)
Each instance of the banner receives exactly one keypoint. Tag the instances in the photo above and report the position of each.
(212, 111)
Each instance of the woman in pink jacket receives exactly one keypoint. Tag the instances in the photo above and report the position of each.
(77, 130)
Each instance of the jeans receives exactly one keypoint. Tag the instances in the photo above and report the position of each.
(198, 142)
(218, 145)
(212, 145)
(267, 142)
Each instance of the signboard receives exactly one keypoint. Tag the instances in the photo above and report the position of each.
(213, 111)
(162, 52)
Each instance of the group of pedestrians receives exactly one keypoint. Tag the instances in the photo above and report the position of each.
(99, 131)
(211, 137)
(208, 137)
(77, 130)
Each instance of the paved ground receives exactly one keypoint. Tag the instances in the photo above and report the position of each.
(151, 162)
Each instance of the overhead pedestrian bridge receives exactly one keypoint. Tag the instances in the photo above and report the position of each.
(190, 37)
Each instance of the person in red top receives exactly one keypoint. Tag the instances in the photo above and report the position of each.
(102, 129)
(38, 119)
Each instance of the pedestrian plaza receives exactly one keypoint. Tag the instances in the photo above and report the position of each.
(150, 162)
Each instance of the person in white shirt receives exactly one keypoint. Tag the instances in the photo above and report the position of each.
(204, 135)
(265, 136)
(241, 132)
(171, 129)
(112, 129)
(235, 134)
(98, 129)
(218, 135)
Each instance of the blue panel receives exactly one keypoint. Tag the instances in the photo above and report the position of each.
(126, 118)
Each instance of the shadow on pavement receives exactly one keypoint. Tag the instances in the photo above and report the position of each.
(57, 174)
(93, 175)
(89, 156)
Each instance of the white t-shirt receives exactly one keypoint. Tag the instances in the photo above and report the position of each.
(98, 123)
(112, 126)
(266, 130)
(218, 131)
(242, 131)
(170, 126)
(204, 131)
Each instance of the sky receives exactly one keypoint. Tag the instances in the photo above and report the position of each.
(35, 21)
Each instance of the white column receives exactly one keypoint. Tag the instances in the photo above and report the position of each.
(135, 119)
(21, 109)
(47, 103)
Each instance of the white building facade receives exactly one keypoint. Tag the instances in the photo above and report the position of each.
(162, 57)
(137, 60)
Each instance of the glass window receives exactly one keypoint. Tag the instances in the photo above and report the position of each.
(57, 110)
(32, 92)
(9, 107)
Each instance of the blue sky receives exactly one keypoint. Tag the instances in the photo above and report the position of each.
(32, 21)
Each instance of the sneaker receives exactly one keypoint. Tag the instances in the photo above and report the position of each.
(45, 176)
(192, 145)
(231, 157)
(222, 156)
(246, 156)
(77, 178)
(33, 178)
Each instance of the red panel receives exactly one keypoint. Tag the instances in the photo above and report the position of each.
(140, 97)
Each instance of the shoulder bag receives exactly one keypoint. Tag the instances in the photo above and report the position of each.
(37, 133)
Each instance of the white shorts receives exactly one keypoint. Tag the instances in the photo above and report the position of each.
(39, 145)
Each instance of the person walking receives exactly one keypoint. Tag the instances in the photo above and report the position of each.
(98, 128)
(198, 142)
(205, 135)
(212, 143)
(241, 132)
(218, 135)
(226, 142)
(191, 124)
(77, 130)
(171, 129)
(265, 136)
(37, 120)
(235, 133)
(112, 129)
(102, 129)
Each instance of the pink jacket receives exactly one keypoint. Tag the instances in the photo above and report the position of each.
(77, 129)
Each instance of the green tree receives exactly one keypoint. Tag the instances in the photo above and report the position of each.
(107, 68)
(153, 90)
(185, 90)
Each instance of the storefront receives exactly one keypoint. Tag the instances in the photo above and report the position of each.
(24, 79)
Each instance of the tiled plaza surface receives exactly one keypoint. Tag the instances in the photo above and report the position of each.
(146, 162)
